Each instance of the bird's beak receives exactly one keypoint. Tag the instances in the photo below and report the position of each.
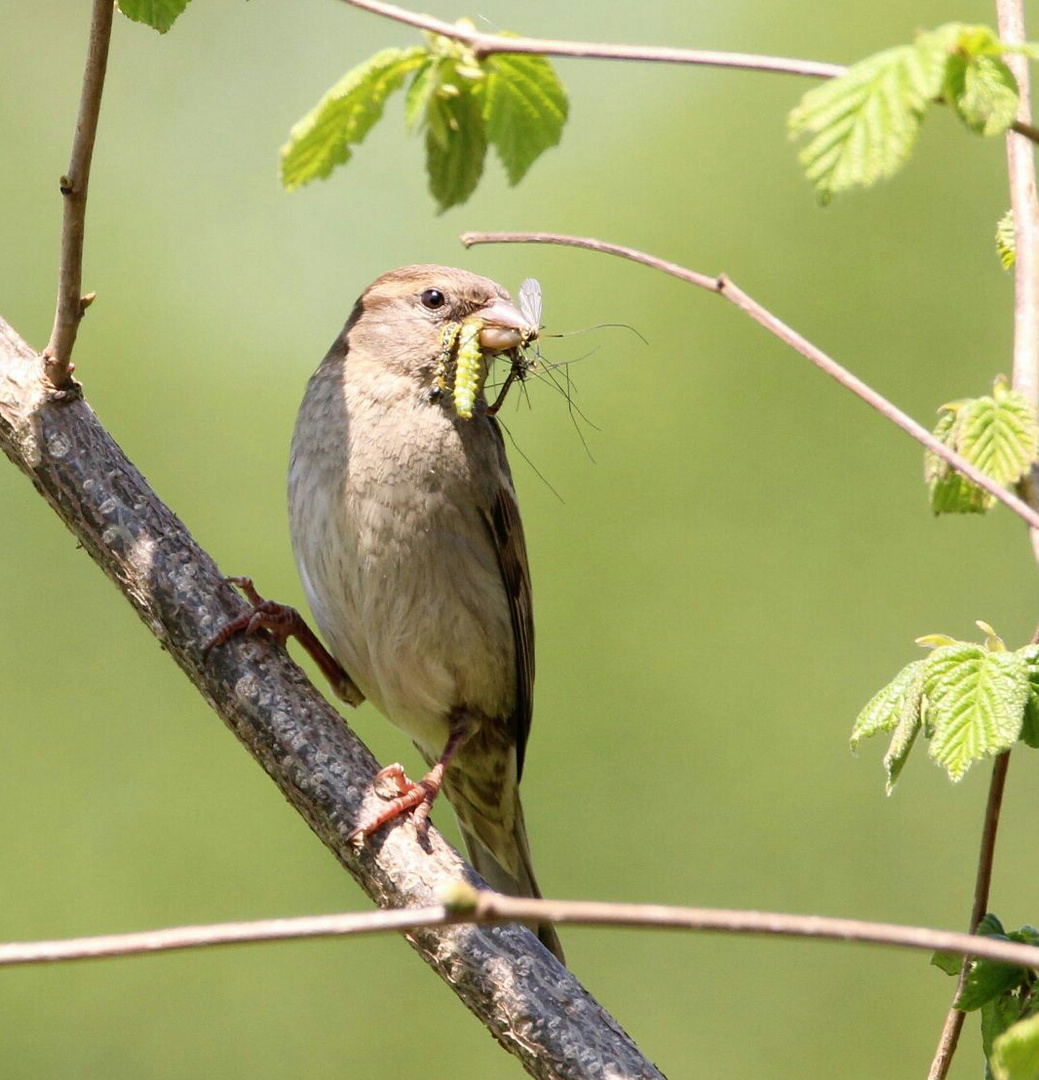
(504, 328)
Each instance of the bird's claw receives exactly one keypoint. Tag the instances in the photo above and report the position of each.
(403, 796)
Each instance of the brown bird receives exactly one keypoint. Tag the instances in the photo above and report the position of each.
(409, 544)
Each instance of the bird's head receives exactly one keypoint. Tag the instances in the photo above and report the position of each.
(401, 319)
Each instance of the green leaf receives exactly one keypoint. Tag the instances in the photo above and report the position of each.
(902, 740)
(1006, 240)
(975, 703)
(950, 963)
(1001, 434)
(456, 145)
(342, 118)
(998, 433)
(997, 1017)
(865, 122)
(896, 708)
(951, 491)
(1015, 1053)
(890, 705)
(987, 980)
(158, 14)
(525, 107)
(982, 91)
(424, 84)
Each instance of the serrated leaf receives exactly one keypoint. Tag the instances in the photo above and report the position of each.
(454, 160)
(865, 122)
(951, 491)
(1006, 240)
(342, 118)
(423, 86)
(889, 706)
(525, 108)
(158, 14)
(1015, 1053)
(998, 433)
(975, 704)
(903, 737)
(982, 91)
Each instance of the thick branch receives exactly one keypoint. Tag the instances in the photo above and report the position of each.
(71, 302)
(723, 286)
(534, 1007)
(1021, 174)
(488, 44)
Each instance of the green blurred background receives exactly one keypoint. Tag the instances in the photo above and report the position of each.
(747, 559)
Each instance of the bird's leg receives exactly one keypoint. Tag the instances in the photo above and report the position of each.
(414, 796)
(283, 622)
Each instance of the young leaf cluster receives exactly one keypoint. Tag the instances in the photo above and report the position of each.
(998, 433)
(970, 700)
(1006, 240)
(1007, 998)
(513, 102)
(864, 123)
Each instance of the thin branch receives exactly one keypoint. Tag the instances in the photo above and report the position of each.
(1027, 130)
(71, 303)
(484, 908)
(982, 884)
(488, 44)
(531, 1004)
(723, 286)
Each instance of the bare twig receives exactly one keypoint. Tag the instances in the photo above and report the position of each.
(469, 905)
(488, 44)
(1027, 130)
(982, 883)
(71, 303)
(728, 289)
(534, 1007)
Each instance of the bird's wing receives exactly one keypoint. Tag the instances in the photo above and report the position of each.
(506, 529)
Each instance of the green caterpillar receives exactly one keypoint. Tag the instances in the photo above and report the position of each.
(469, 367)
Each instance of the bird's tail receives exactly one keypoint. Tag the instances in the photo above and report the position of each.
(520, 883)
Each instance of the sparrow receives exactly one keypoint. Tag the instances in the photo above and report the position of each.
(408, 541)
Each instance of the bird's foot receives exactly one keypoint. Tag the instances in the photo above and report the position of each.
(283, 622)
(403, 796)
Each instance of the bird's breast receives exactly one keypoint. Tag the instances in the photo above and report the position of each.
(388, 527)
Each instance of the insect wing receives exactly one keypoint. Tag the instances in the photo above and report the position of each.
(530, 302)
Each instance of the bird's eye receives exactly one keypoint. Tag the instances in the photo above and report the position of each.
(432, 299)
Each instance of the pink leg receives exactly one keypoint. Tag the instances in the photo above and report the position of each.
(413, 796)
(283, 622)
